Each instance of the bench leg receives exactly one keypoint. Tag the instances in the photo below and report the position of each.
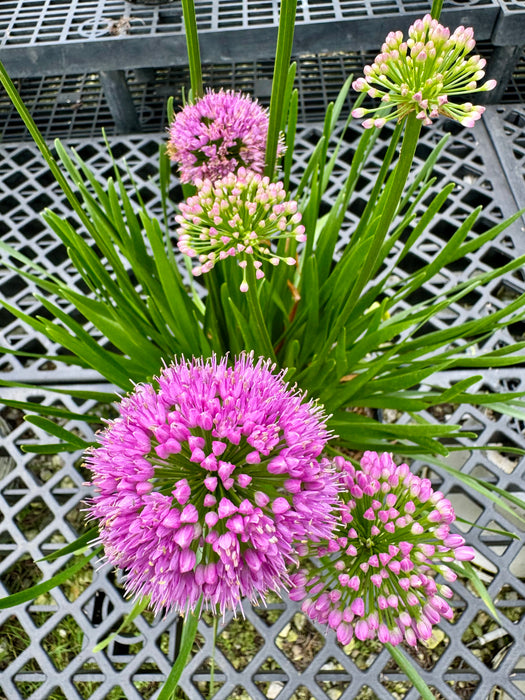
(119, 101)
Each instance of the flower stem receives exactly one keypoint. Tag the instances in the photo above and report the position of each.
(192, 43)
(393, 193)
(437, 6)
(256, 320)
(283, 55)
(411, 671)
(212, 659)
(189, 630)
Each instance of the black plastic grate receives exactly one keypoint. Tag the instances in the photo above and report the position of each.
(469, 160)
(31, 22)
(75, 106)
(508, 30)
(273, 650)
(51, 37)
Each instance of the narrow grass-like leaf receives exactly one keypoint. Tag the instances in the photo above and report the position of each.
(51, 448)
(45, 410)
(311, 167)
(512, 408)
(291, 131)
(137, 609)
(80, 543)
(283, 54)
(373, 203)
(484, 488)
(177, 305)
(63, 359)
(46, 586)
(250, 340)
(392, 194)
(189, 630)
(192, 44)
(99, 396)
(288, 92)
(466, 569)
(497, 531)
(58, 431)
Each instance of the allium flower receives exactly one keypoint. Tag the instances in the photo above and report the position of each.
(206, 481)
(422, 73)
(376, 578)
(217, 134)
(238, 216)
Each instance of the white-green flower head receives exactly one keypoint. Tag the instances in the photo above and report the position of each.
(422, 73)
(240, 216)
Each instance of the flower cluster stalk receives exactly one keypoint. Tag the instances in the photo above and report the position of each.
(282, 62)
(437, 6)
(192, 43)
(393, 194)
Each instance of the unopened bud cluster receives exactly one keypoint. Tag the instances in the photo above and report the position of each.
(422, 74)
(376, 578)
(239, 216)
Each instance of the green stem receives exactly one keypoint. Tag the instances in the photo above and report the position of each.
(437, 6)
(283, 55)
(22, 110)
(216, 323)
(411, 671)
(192, 43)
(257, 321)
(212, 659)
(394, 191)
(189, 630)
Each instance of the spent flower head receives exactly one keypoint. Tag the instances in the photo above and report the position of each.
(206, 481)
(239, 216)
(376, 578)
(217, 134)
(422, 73)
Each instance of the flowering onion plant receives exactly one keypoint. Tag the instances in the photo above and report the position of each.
(232, 468)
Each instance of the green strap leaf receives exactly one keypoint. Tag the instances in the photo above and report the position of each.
(52, 448)
(33, 592)
(466, 569)
(100, 396)
(58, 431)
(45, 410)
(189, 630)
(484, 488)
(192, 43)
(139, 606)
(283, 54)
(80, 543)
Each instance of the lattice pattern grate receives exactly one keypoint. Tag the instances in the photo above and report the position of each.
(275, 653)
(469, 160)
(75, 106)
(34, 22)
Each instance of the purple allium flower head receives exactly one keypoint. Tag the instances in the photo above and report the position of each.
(422, 73)
(217, 134)
(376, 578)
(207, 480)
(239, 216)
